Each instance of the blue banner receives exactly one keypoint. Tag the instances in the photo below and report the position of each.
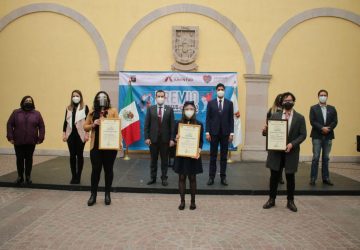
(179, 88)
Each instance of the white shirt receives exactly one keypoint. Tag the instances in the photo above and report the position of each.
(323, 110)
(290, 118)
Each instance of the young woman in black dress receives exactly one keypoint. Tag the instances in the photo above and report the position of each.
(186, 166)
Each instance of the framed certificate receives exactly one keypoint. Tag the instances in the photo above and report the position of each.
(277, 135)
(189, 140)
(109, 134)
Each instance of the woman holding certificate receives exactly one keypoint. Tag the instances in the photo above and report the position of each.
(101, 156)
(189, 143)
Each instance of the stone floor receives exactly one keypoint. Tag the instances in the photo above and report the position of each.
(47, 219)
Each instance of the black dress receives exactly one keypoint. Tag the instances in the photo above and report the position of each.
(187, 165)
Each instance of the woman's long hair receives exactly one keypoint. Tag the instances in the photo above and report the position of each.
(277, 104)
(184, 119)
(81, 103)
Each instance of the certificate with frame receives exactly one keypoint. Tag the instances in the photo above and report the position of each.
(109, 134)
(188, 141)
(277, 135)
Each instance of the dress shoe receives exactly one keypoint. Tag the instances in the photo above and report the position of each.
(192, 205)
(19, 180)
(164, 183)
(107, 199)
(92, 200)
(269, 204)
(281, 181)
(312, 182)
(76, 181)
(328, 182)
(28, 180)
(152, 181)
(224, 182)
(210, 181)
(291, 205)
(182, 205)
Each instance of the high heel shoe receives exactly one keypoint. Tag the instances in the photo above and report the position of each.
(182, 205)
(92, 199)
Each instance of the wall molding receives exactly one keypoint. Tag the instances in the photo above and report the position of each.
(296, 20)
(186, 8)
(65, 11)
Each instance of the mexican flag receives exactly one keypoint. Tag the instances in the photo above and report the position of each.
(237, 121)
(130, 123)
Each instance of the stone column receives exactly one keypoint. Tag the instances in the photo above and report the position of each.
(257, 86)
(109, 82)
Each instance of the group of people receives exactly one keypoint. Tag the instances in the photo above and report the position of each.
(323, 120)
(25, 129)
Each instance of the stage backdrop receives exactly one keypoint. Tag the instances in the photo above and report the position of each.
(179, 87)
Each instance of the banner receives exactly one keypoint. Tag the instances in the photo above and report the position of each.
(179, 87)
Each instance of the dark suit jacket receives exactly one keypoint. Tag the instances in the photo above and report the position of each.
(214, 119)
(151, 126)
(317, 121)
(297, 135)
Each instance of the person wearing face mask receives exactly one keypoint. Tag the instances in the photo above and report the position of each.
(323, 120)
(100, 158)
(186, 166)
(75, 135)
(219, 130)
(158, 131)
(288, 159)
(276, 107)
(25, 129)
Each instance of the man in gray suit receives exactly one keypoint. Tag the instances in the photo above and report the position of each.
(289, 159)
(158, 129)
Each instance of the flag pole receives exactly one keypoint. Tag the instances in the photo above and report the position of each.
(126, 156)
(229, 160)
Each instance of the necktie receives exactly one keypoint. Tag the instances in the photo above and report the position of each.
(220, 106)
(160, 115)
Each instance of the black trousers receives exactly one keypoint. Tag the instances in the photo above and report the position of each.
(100, 159)
(24, 157)
(223, 140)
(76, 149)
(155, 149)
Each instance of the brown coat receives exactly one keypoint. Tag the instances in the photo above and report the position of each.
(88, 126)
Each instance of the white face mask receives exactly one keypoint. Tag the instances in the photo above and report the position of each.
(76, 99)
(160, 100)
(220, 93)
(322, 99)
(189, 113)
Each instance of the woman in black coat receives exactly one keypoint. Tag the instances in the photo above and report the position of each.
(186, 166)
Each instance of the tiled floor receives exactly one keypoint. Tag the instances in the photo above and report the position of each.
(46, 219)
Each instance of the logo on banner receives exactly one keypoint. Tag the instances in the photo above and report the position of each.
(145, 101)
(205, 100)
(207, 78)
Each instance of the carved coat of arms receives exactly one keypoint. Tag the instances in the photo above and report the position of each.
(185, 41)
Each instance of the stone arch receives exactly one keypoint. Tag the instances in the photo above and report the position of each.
(296, 20)
(65, 11)
(186, 8)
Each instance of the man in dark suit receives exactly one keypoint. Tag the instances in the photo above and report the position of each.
(158, 129)
(219, 130)
(289, 158)
(323, 119)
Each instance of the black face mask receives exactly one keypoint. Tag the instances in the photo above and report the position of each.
(288, 105)
(28, 106)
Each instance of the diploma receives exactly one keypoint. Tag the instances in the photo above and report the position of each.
(277, 135)
(109, 134)
(189, 140)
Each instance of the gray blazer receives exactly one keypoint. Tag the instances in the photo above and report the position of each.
(297, 135)
(151, 126)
